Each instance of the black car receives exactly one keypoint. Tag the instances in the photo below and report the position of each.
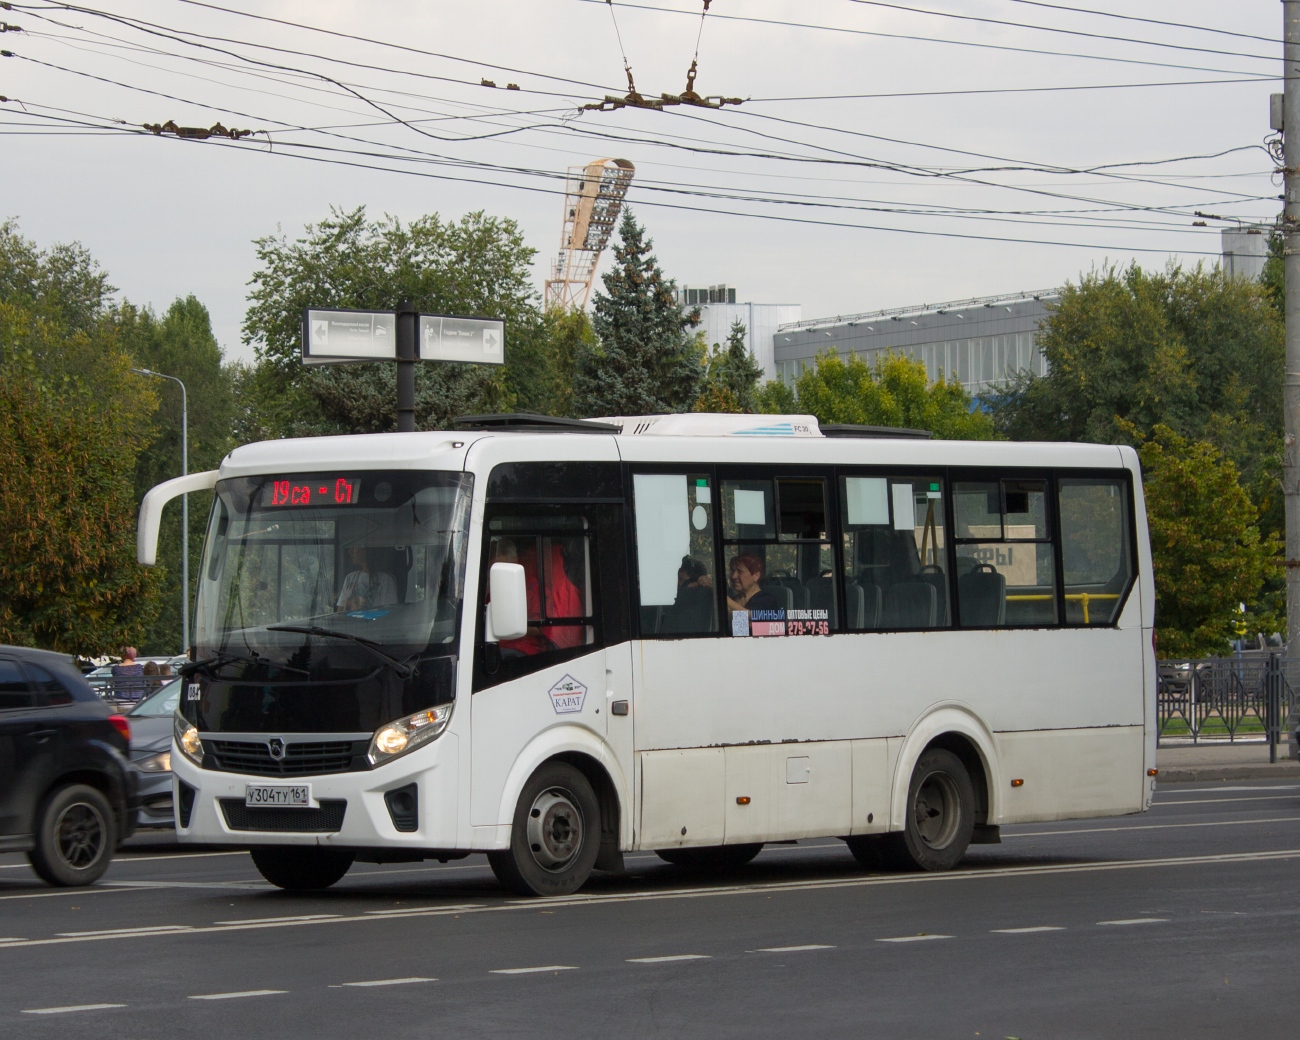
(68, 794)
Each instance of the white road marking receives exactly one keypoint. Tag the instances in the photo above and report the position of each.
(1205, 790)
(277, 920)
(119, 858)
(531, 971)
(1026, 931)
(239, 994)
(12, 938)
(141, 930)
(422, 909)
(71, 1007)
(914, 938)
(1138, 920)
(757, 888)
(389, 982)
(1159, 804)
(1150, 827)
(792, 949)
(672, 957)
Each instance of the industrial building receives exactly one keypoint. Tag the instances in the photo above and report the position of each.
(979, 343)
(718, 309)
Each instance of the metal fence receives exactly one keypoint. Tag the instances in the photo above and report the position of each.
(1233, 700)
(128, 689)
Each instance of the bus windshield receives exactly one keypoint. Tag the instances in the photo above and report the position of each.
(373, 557)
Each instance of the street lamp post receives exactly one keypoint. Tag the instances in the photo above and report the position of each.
(185, 506)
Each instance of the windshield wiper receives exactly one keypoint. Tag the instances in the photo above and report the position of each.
(227, 656)
(402, 669)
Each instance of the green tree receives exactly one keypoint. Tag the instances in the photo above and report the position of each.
(896, 391)
(1207, 551)
(73, 422)
(646, 361)
(732, 376)
(477, 265)
(180, 344)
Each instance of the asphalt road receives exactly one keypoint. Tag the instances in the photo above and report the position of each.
(1179, 923)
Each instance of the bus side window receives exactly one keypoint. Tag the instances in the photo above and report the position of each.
(1006, 569)
(895, 553)
(1097, 564)
(676, 587)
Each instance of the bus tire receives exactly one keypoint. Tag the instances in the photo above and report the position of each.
(301, 868)
(76, 834)
(554, 837)
(939, 817)
(711, 857)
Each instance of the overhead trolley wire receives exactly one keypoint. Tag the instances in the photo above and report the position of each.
(936, 39)
(1149, 21)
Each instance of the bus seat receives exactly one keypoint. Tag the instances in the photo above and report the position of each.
(983, 596)
(819, 594)
(910, 604)
(783, 594)
(870, 604)
(694, 611)
(934, 575)
(796, 587)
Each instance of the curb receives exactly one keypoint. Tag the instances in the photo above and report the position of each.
(1201, 774)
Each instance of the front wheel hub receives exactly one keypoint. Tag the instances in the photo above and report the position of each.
(555, 829)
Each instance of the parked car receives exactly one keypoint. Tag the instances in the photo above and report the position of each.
(151, 753)
(68, 793)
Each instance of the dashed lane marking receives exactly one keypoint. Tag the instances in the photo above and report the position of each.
(1027, 931)
(278, 920)
(121, 860)
(792, 949)
(239, 994)
(1137, 920)
(1161, 803)
(1149, 827)
(389, 982)
(533, 971)
(71, 1008)
(913, 938)
(154, 929)
(758, 888)
(670, 957)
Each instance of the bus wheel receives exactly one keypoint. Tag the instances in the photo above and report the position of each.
(555, 836)
(301, 868)
(711, 857)
(939, 818)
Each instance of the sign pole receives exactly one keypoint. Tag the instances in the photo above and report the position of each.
(407, 319)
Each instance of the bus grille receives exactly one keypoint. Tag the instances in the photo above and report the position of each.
(327, 819)
(300, 759)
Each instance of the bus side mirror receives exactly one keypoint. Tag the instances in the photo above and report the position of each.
(508, 608)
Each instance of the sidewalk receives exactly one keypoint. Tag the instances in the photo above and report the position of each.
(1222, 761)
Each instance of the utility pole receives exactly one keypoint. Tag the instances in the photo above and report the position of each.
(407, 320)
(1291, 262)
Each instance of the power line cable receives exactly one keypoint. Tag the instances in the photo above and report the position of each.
(1148, 21)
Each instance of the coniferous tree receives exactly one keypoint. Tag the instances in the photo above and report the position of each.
(733, 376)
(645, 362)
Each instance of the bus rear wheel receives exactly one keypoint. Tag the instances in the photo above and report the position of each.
(301, 868)
(939, 817)
(711, 857)
(555, 835)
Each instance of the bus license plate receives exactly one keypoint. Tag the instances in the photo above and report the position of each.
(296, 795)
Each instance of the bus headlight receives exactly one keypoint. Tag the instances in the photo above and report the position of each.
(187, 739)
(397, 738)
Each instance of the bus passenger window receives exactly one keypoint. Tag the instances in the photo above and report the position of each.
(677, 593)
(1006, 572)
(1095, 558)
(780, 568)
(895, 561)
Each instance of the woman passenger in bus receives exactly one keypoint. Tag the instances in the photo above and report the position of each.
(562, 599)
(746, 592)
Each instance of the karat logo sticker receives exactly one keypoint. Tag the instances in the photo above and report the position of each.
(567, 696)
(192, 693)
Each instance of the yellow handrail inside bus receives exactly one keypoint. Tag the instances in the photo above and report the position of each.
(1083, 598)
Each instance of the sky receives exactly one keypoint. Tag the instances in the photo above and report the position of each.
(885, 154)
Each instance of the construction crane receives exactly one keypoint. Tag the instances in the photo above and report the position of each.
(593, 199)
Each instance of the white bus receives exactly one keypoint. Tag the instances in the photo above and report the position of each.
(557, 641)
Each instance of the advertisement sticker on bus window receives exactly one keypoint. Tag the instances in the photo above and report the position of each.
(740, 622)
(767, 622)
(867, 499)
(904, 507)
(807, 622)
(567, 696)
(749, 507)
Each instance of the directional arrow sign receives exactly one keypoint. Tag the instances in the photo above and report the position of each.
(478, 341)
(347, 337)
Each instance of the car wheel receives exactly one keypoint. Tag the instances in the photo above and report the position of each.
(76, 834)
(555, 835)
(301, 868)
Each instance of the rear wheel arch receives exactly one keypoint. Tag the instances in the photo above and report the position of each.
(954, 728)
